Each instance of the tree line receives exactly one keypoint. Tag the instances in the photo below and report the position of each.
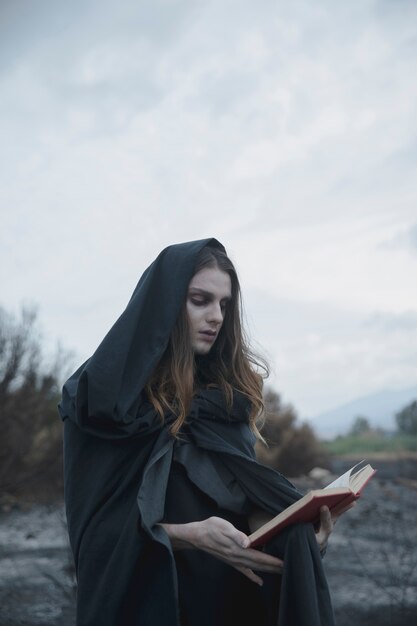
(405, 420)
(31, 431)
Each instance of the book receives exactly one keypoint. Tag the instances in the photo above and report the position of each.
(336, 496)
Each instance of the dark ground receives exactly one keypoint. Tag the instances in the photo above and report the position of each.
(371, 561)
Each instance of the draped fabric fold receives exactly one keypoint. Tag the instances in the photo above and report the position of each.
(117, 460)
(216, 450)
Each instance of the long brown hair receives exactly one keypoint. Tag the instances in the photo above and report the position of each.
(230, 364)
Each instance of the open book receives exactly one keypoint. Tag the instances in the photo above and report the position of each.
(336, 496)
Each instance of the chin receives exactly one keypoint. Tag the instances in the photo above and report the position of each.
(201, 349)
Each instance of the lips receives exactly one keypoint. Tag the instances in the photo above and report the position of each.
(208, 335)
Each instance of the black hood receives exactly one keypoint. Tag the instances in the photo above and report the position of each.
(108, 385)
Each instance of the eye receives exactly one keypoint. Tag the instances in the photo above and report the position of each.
(198, 301)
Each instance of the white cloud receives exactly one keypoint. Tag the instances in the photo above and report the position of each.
(286, 131)
(324, 355)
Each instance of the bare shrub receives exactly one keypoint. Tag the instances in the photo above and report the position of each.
(31, 442)
(292, 448)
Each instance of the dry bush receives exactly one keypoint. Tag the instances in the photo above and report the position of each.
(31, 441)
(292, 448)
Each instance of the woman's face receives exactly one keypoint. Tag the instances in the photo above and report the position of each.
(209, 292)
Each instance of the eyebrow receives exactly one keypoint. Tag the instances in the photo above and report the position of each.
(206, 294)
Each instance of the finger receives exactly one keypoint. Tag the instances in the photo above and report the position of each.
(326, 522)
(251, 575)
(253, 561)
(263, 558)
(240, 539)
(249, 558)
(325, 528)
(224, 534)
(268, 569)
(230, 531)
(258, 557)
(322, 540)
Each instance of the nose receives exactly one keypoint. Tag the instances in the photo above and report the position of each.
(215, 313)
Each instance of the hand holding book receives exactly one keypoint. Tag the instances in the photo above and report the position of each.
(326, 524)
(338, 497)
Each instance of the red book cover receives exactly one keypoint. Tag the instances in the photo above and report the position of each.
(307, 509)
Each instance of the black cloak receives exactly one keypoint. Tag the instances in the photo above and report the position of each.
(120, 462)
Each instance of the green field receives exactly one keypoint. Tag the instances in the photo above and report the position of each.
(363, 444)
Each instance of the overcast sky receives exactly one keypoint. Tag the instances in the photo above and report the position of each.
(285, 129)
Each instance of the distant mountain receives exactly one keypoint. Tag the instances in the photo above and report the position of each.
(379, 408)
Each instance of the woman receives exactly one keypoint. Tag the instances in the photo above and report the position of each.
(162, 486)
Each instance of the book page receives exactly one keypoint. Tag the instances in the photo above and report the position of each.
(359, 480)
(344, 479)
